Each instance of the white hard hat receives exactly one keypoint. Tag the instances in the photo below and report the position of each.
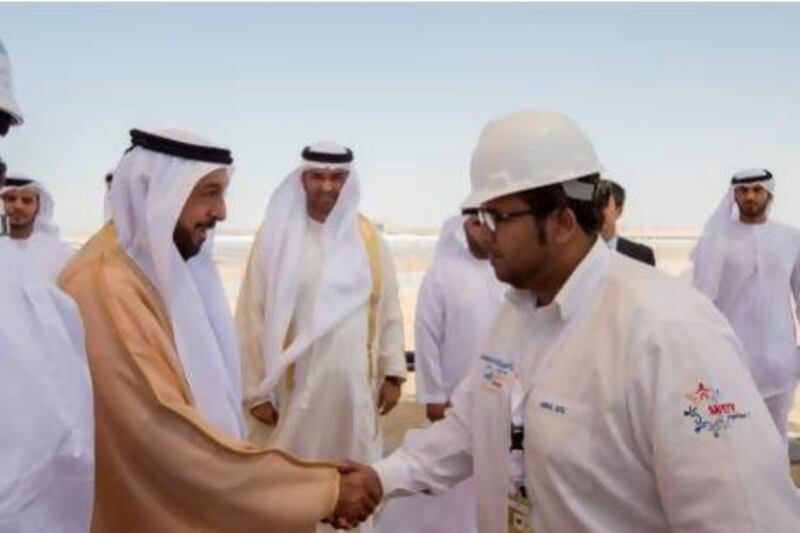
(531, 149)
(7, 101)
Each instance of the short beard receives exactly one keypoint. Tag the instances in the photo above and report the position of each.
(184, 243)
(25, 229)
(476, 250)
(756, 214)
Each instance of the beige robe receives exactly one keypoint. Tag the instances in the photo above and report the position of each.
(160, 466)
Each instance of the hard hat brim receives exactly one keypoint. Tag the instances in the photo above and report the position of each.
(14, 112)
(478, 198)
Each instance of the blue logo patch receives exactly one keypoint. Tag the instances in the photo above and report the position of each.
(496, 373)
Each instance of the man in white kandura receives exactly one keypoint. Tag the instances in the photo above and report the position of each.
(608, 396)
(319, 317)
(457, 303)
(47, 444)
(750, 268)
(47, 441)
(29, 208)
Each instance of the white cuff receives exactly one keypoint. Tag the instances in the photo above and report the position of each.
(431, 397)
(394, 475)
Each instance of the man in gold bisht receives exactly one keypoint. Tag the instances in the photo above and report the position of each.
(165, 366)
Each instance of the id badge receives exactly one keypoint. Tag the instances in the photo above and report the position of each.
(519, 514)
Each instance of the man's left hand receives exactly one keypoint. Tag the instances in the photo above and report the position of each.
(389, 395)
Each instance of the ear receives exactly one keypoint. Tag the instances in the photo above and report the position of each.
(563, 225)
(304, 180)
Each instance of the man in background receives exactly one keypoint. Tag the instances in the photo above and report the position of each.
(319, 318)
(29, 208)
(749, 266)
(612, 199)
(457, 303)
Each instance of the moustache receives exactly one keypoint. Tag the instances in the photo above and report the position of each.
(210, 225)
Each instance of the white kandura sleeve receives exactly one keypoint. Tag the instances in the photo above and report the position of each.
(720, 465)
(436, 458)
(428, 338)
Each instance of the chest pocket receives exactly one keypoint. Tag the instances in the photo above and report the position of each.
(558, 444)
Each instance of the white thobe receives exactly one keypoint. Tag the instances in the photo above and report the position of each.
(42, 256)
(759, 307)
(457, 303)
(331, 412)
(639, 415)
(47, 441)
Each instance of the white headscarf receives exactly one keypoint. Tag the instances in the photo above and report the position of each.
(708, 255)
(149, 192)
(345, 283)
(7, 101)
(452, 239)
(44, 218)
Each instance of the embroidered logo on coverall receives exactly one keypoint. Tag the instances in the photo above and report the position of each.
(495, 373)
(708, 412)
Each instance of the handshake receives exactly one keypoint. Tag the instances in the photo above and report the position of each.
(360, 492)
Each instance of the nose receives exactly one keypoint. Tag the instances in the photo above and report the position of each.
(327, 185)
(220, 210)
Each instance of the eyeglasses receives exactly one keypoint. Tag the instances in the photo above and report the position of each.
(490, 218)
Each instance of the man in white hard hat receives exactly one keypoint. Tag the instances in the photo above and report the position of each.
(749, 266)
(34, 236)
(319, 318)
(608, 397)
(10, 114)
(47, 437)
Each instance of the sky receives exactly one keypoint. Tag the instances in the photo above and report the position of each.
(676, 98)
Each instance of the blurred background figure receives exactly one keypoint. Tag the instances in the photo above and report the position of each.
(612, 200)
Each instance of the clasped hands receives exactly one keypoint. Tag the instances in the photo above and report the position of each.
(360, 493)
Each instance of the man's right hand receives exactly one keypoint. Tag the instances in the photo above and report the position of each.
(435, 411)
(266, 413)
(360, 492)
